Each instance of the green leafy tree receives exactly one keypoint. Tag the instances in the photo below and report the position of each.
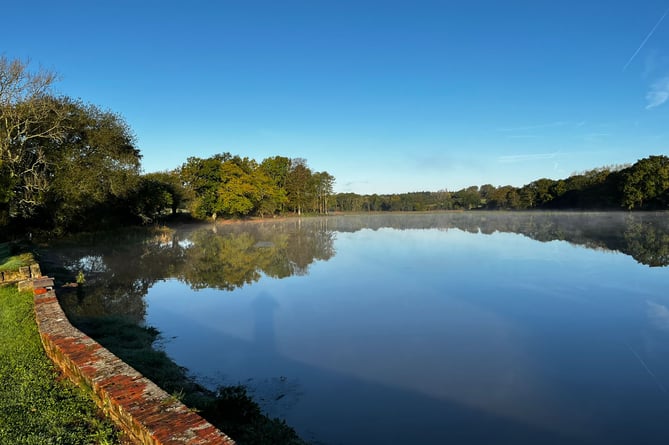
(277, 169)
(231, 186)
(271, 198)
(646, 183)
(299, 186)
(94, 167)
(153, 196)
(512, 199)
(75, 170)
(201, 178)
(60, 160)
(169, 184)
(29, 117)
(536, 193)
(323, 184)
(237, 194)
(468, 198)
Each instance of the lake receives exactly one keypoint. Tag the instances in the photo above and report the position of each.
(463, 328)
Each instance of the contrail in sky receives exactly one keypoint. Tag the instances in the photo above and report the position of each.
(646, 39)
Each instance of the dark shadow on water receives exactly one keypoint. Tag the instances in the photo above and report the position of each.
(264, 308)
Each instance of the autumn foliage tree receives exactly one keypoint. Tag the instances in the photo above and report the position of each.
(231, 186)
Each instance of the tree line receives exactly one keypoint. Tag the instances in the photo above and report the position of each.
(232, 186)
(68, 166)
(641, 186)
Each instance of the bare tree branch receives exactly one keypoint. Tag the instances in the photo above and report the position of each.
(29, 118)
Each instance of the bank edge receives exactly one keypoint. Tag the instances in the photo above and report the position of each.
(149, 415)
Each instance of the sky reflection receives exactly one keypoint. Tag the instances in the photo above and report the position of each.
(435, 335)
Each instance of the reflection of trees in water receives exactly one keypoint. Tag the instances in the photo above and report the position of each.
(222, 261)
(647, 242)
(120, 269)
(644, 236)
(241, 254)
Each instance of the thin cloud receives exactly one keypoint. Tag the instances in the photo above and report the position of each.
(652, 31)
(525, 158)
(659, 315)
(658, 94)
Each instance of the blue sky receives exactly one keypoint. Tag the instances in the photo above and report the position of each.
(387, 96)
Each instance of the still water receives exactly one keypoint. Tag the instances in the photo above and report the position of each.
(435, 328)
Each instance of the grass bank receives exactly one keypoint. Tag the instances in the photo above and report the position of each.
(12, 257)
(37, 406)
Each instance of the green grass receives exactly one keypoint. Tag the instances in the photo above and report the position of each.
(11, 260)
(36, 405)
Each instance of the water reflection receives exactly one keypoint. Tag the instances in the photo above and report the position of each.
(478, 335)
(644, 236)
(121, 268)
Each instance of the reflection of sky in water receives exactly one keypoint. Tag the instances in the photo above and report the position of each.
(428, 336)
(91, 263)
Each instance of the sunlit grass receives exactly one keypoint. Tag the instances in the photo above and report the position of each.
(10, 260)
(36, 405)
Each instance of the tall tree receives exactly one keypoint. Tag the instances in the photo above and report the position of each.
(29, 117)
(93, 168)
(237, 194)
(276, 169)
(323, 185)
(298, 185)
(201, 178)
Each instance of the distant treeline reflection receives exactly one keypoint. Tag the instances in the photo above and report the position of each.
(644, 235)
(119, 269)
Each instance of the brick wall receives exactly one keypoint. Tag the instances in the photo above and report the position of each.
(147, 413)
(22, 273)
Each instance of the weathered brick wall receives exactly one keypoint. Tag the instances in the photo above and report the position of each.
(147, 413)
(22, 273)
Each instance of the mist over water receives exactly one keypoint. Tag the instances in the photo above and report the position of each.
(416, 328)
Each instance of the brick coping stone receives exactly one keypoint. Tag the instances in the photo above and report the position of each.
(149, 415)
